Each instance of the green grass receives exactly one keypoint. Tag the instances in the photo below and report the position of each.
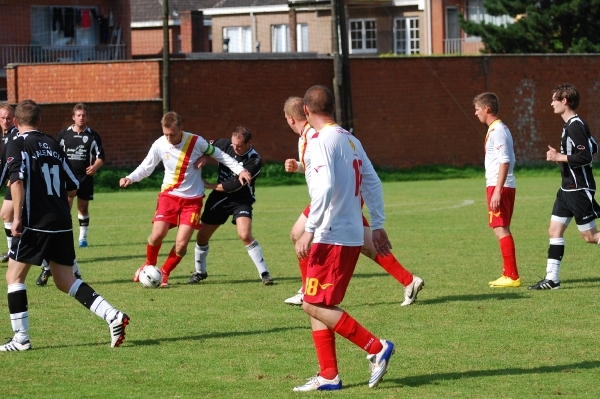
(231, 337)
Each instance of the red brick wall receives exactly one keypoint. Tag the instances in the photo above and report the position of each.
(407, 111)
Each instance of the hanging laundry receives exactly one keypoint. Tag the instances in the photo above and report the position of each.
(77, 17)
(86, 21)
(57, 19)
(69, 15)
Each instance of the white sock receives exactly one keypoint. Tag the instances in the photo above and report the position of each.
(19, 321)
(83, 230)
(200, 254)
(45, 265)
(256, 254)
(553, 265)
(8, 226)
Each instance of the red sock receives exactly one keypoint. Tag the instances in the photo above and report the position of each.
(391, 265)
(325, 345)
(507, 247)
(171, 262)
(152, 254)
(303, 264)
(350, 329)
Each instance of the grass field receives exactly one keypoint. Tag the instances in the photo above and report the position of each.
(231, 337)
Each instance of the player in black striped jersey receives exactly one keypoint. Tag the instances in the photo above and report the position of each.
(40, 181)
(83, 147)
(231, 198)
(9, 132)
(575, 198)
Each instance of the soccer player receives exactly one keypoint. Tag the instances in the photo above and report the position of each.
(294, 115)
(9, 132)
(182, 191)
(230, 197)
(83, 146)
(333, 238)
(40, 175)
(500, 185)
(575, 198)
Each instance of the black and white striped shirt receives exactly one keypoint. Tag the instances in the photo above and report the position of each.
(579, 146)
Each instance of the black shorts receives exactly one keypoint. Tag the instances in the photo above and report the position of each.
(86, 187)
(579, 204)
(35, 246)
(217, 210)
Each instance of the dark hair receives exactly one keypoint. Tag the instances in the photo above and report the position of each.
(244, 132)
(569, 92)
(489, 100)
(319, 100)
(80, 107)
(28, 113)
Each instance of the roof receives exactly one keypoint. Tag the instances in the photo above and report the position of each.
(149, 11)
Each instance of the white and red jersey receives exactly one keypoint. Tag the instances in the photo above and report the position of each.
(340, 173)
(499, 149)
(304, 151)
(181, 178)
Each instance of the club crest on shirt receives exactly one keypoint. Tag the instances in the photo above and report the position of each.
(9, 159)
(85, 139)
(581, 147)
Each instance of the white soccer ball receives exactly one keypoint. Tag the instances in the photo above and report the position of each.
(150, 277)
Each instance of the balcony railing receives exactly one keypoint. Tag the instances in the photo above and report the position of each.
(470, 45)
(35, 53)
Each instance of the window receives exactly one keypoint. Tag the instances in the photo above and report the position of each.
(363, 36)
(301, 38)
(240, 39)
(406, 36)
(65, 26)
(280, 38)
(476, 12)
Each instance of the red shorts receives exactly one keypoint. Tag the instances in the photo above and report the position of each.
(503, 217)
(307, 211)
(176, 210)
(330, 268)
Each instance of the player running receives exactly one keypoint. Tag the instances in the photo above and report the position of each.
(294, 114)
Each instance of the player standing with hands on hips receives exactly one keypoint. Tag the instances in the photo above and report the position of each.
(500, 185)
(40, 178)
(575, 198)
(332, 240)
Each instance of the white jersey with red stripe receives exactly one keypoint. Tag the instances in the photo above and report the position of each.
(340, 173)
(304, 151)
(181, 178)
(499, 149)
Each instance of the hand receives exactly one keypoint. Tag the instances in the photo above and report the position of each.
(291, 165)
(17, 228)
(124, 182)
(552, 155)
(303, 245)
(495, 200)
(90, 170)
(245, 177)
(382, 242)
(200, 162)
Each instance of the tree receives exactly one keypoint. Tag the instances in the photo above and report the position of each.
(540, 26)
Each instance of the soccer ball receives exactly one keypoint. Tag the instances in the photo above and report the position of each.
(150, 277)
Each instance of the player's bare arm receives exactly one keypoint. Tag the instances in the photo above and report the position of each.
(554, 156)
(17, 191)
(92, 169)
(496, 196)
(245, 177)
(200, 162)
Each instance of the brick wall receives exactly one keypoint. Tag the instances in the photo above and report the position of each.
(407, 111)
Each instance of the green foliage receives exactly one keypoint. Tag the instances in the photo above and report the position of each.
(232, 337)
(541, 26)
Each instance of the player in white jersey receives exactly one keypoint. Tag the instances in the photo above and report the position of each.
(341, 173)
(182, 191)
(500, 183)
(294, 114)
